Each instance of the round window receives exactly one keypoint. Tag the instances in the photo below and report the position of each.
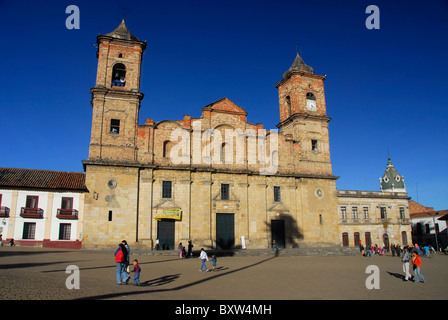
(112, 184)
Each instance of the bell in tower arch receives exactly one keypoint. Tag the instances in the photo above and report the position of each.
(118, 75)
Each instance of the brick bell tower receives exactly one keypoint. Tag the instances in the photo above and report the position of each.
(303, 116)
(116, 97)
(111, 208)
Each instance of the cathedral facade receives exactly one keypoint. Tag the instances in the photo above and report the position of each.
(217, 180)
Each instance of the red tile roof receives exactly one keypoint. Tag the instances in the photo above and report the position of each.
(429, 214)
(41, 179)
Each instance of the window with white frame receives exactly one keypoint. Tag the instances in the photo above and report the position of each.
(343, 212)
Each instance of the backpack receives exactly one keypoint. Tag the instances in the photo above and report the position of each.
(119, 256)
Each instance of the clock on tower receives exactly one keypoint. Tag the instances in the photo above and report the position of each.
(310, 102)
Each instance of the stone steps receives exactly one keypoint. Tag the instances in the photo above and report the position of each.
(316, 251)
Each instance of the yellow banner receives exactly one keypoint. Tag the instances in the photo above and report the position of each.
(175, 214)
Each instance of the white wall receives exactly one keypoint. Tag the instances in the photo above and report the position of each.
(55, 222)
(6, 202)
(40, 223)
(49, 220)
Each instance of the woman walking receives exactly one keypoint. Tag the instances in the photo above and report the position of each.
(417, 263)
(203, 257)
(120, 259)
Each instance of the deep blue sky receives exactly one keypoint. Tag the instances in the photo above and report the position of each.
(385, 89)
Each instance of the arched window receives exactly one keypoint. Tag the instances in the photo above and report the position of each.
(310, 96)
(368, 238)
(386, 240)
(167, 145)
(223, 154)
(345, 239)
(119, 75)
(357, 239)
(419, 228)
(404, 238)
(288, 102)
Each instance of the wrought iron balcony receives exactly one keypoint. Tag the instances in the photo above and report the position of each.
(4, 212)
(71, 214)
(36, 213)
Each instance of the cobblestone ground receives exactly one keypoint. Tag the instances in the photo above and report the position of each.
(31, 273)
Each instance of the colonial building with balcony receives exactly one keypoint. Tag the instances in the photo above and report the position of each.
(376, 217)
(41, 208)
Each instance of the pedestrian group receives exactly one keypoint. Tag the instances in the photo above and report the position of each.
(409, 256)
(122, 256)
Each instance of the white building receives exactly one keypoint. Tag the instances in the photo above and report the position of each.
(376, 217)
(429, 228)
(41, 208)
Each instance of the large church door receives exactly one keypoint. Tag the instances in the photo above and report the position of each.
(386, 240)
(165, 234)
(278, 232)
(225, 230)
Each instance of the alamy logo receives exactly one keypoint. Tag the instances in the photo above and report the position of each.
(72, 281)
(373, 281)
(254, 147)
(373, 21)
(72, 21)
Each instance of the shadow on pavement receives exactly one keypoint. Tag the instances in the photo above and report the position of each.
(31, 264)
(167, 279)
(109, 266)
(161, 281)
(396, 275)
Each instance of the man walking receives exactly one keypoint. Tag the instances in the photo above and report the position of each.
(406, 260)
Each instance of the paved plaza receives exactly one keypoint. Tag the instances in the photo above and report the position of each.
(32, 273)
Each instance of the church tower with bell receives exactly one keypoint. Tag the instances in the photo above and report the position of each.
(303, 117)
(111, 173)
(116, 96)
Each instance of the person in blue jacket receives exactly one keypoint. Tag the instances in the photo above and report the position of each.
(137, 270)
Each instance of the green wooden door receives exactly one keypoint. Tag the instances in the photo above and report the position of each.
(225, 230)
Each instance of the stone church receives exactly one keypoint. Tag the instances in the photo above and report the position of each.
(205, 179)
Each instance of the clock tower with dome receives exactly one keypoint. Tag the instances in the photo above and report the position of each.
(392, 181)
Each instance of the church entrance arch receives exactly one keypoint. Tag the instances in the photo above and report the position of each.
(278, 232)
(386, 240)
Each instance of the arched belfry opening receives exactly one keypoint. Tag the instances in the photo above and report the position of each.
(310, 96)
(118, 75)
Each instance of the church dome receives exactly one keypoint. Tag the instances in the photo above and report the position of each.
(392, 181)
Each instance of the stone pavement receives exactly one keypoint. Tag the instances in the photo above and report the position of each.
(32, 273)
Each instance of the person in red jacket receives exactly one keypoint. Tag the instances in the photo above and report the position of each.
(120, 259)
(417, 263)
